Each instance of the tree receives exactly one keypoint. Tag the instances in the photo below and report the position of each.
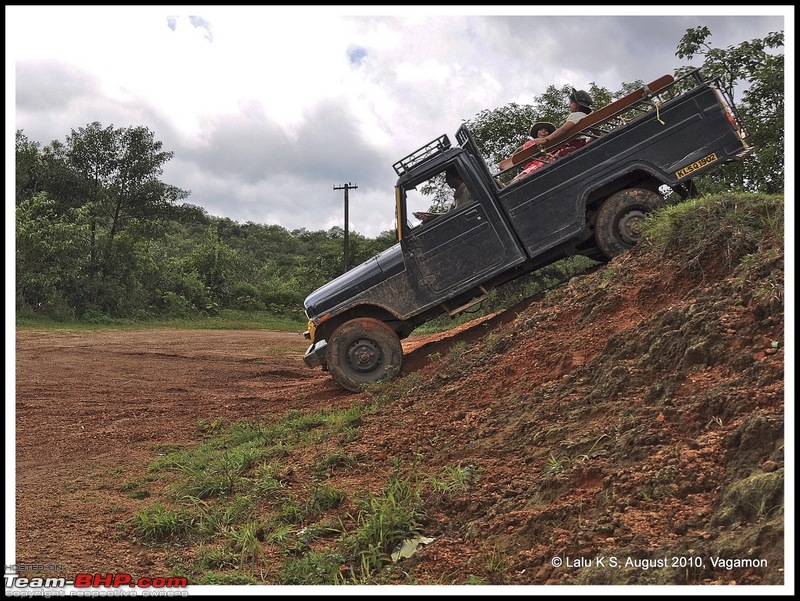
(50, 256)
(499, 131)
(121, 170)
(215, 264)
(28, 167)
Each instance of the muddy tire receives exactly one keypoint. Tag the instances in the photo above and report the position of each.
(362, 351)
(619, 220)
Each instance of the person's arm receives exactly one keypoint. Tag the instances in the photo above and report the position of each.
(523, 146)
(425, 217)
(566, 127)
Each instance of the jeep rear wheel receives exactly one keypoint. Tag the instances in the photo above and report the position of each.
(619, 220)
(362, 351)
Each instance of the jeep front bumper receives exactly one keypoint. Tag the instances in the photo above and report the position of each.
(316, 355)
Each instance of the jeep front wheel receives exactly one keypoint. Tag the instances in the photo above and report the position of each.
(619, 219)
(362, 351)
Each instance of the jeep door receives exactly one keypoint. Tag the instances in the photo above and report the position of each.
(461, 248)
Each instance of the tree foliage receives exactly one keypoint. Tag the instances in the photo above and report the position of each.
(50, 254)
(103, 181)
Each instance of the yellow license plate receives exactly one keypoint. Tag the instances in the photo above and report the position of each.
(706, 160)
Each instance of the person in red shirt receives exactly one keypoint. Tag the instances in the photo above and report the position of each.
(539, 131)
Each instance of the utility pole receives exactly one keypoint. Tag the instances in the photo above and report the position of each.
(346, 187)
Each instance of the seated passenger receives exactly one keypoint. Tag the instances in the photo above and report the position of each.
(580, 105)
(461, 195)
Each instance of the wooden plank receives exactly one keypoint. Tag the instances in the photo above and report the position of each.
(593, 118)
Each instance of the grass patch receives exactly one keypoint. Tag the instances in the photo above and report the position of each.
(696, 230)
(228, 319)
(227, 498)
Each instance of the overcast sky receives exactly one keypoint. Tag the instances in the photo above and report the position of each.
(267, 109)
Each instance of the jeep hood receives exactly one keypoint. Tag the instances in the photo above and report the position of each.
(377, 269)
